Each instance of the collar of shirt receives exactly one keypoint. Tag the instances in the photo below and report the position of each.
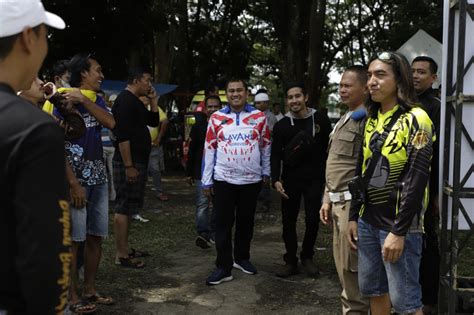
(227, 110)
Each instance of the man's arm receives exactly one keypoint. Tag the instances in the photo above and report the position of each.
(191, 153)
(155, 114)
(265, 150)
(356, 204)
(130, 170)
(161, 132)
(124, 114)
(209, 158)
(276, 155)
(42, 221)
(102, 115)
(76, 191)
(415, 179)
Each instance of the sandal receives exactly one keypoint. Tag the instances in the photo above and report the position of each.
(135, 253)
(163, 197)
(130, 263)
(82, 307)
(99, 299)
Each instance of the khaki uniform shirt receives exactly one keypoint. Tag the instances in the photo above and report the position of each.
(343, 152)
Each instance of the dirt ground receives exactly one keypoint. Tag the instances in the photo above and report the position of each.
(173, 281)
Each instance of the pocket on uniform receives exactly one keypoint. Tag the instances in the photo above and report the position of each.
(345, 144)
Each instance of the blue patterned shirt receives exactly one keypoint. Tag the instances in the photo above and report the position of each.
(85, 154)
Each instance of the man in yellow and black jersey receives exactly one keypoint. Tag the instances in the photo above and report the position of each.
(406, 150)
(386, 226)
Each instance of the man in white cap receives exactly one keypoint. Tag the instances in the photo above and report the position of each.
(34, 222)
(262, 103)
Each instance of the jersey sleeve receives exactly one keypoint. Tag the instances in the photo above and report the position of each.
(209, 158)
(265, 148)
(412, 192)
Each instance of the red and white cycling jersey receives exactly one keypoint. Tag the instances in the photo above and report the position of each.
(237, 147)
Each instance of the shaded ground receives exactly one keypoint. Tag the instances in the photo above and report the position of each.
(174, 280)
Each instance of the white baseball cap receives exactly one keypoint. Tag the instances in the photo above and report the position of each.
(261, 97)
(15, 15)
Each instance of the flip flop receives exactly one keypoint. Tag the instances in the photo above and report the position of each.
(99, 299)
(163, 197)
(82, 307)
(135, 253)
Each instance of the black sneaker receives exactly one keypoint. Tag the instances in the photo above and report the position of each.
(287, 270)
(310, 268)
(246, 266)
(218, 276)
(202, 242)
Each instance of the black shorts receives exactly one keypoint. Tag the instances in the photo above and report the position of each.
(129, 200)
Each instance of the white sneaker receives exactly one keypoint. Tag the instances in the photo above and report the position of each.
(140, 218)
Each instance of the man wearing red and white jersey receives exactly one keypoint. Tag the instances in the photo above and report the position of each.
(236, 161)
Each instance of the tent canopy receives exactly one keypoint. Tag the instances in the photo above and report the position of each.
(422, 44)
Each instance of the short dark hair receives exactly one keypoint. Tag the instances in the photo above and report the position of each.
(6, 43)
(237, 80)
(360, 71)
(136, 73)
(212, 97)
(78, 64)
(433, 64)
(59, 68)
(295, 85)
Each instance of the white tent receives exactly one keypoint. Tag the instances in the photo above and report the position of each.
(422, 44)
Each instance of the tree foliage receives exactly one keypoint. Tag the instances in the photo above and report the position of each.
(270, 42)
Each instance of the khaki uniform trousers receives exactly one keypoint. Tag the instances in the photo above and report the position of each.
(346, 262)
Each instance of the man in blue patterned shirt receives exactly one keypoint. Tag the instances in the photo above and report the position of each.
(90, 223)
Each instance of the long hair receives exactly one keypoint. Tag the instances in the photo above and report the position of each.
(405, 89)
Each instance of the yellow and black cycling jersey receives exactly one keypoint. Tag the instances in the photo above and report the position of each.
(397, 193)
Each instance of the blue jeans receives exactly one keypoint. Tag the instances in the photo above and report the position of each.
(155, 166)
(399, 279)
(93, 219)
(203, 207)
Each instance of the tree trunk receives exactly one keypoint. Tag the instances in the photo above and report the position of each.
(316, 44)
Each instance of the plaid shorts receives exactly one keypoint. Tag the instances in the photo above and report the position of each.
(130, 197)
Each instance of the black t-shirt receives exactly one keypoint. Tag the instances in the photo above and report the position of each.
(196, 146)
(432, 105)
(34, 214)
(131, 120)
(312, 165)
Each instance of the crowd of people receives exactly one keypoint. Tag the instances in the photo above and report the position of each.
(67, 150)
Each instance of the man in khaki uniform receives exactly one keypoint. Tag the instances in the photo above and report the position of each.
(343, 151)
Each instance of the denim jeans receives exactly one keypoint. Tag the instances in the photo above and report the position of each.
(155, 166)
(93, 219)
(203, 212)
(399, 279)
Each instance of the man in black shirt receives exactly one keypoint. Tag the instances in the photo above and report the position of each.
(424, 75)
(300, 141)
(197, 136)
(133, 146)
(34, 223)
